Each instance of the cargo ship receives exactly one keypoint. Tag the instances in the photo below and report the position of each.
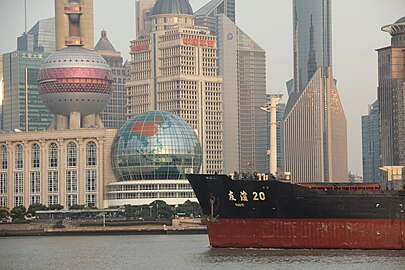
(252, 213)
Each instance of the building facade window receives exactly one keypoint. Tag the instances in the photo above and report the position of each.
(91, 180)
(72, 155)
(53, 155)
(19, 157)
(3, 183)
(3, 201)
(91, 199)
(18, 200)
(71, 181)
(4, 158)
(35, 182)
(18, 183)
(36, 156)
(71, 200)
(91, 154)
(53, 181)
(35, 199)
(53, 199)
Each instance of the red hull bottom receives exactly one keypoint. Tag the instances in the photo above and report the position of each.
(308, 233)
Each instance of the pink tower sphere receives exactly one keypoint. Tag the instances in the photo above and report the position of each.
(75, 79)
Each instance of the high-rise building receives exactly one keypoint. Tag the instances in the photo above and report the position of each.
(314, 123)
(206, 16)
(114, 114)
(370, 131)
(22, 104)
(175, 69)
(1, 92)
(79, 31)
(242, 64)
(391, 96)
(40, 38)
(143, 13)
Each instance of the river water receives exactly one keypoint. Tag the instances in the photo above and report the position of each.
(177, 252)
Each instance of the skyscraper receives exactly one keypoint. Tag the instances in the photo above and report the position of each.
(391, 96)
(370, 134)
(40, 38)
(114, 114)
(206, 16)
(22, 104)
(314, 123)
(175, 69)
(143, 12)
(242, 63)
(82, 29)
(1, 92)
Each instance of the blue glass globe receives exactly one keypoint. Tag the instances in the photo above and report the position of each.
(155, 146)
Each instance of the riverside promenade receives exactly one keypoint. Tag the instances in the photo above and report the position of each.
(187, 226)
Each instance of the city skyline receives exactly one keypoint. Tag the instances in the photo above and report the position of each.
(351, 48)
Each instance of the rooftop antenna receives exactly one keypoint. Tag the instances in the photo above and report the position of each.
(25, 18)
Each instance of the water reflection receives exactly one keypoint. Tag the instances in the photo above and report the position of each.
(179, 252)
(306, 258)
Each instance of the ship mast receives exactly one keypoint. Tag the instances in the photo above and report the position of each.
(272, 151)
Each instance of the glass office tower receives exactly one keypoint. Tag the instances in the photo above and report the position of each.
(370, 135)
(314, 123)
(21, 97)
(20, 71)
(312, 39)
(206, 15)
(40, 38)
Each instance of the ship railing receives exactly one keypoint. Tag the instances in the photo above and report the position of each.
(341, 186)
(252, 176)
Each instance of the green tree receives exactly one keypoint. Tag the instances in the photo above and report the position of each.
(128, 211)
(55, 207)
(36, 207)
(4, 213)
(18, 213)
(161, 210)
(189, 208)
(76, 207)
(144, 211)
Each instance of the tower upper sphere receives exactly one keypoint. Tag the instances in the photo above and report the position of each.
(75, 79)
(172, 7)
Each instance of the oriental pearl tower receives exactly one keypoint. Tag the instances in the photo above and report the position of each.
(75, 83)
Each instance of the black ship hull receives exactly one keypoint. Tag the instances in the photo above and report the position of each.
(250, 213)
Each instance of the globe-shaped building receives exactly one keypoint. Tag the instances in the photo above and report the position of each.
(155, 146)
(75, 79)
(150, 155)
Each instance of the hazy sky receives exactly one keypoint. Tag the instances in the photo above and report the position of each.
(356, 34)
